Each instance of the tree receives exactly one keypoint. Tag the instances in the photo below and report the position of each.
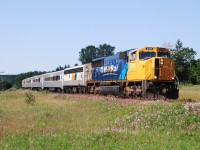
(91, 52)
(198, 70)
(195, 72)
(183, 57)
(61, 68)
(105, 50)
(57, 68)
(4, 84)
(66, 66)
(87, 54)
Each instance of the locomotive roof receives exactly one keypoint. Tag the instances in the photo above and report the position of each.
(110, 57)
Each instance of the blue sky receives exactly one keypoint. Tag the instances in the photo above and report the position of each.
(43, 34)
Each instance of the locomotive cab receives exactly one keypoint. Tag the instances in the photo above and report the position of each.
(150, 63)
(152, 69)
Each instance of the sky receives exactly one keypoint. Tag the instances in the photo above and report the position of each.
(43, 34)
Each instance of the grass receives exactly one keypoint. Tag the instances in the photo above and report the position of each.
(57, 121)
(190, 92)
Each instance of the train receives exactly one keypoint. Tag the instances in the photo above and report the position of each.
(146, 72)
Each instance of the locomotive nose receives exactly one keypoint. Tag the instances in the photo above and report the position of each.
(164, 69)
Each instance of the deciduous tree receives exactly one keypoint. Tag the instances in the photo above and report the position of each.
(91, 52)
(105, 50)
(183, 57)
(87, 54)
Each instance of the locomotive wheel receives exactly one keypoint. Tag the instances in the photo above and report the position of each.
(150, 95)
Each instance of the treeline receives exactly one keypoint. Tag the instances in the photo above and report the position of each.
(15, 81)
(6, 81)
(61, 68)
(186, 66)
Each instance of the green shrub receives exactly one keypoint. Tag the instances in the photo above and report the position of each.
(4, 84)
(29, 98)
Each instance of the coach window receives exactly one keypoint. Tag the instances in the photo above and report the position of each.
(133, 56)
(57, 78)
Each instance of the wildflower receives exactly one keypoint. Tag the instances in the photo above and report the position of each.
(192, 127)
(157, 111)
(133, 124)
(153, 104)
(128, 117)
(148, 126)
(117, 120)
(106, 129)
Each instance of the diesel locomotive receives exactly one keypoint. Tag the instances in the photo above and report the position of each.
(146, 72)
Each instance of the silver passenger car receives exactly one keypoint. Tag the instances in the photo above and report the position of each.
(70, 80)
(37, 81)
(53, 80)
(27, 83)
(75, 78)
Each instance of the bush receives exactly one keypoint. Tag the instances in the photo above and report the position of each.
(4, 85)
(29, 98)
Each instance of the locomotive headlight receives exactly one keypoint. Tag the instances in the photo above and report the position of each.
(161, 61)
(155, 77)
(172, 78)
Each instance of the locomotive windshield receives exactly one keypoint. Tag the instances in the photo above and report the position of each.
(163, 54)
(147, 55)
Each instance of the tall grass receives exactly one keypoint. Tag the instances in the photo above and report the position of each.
(190, 92)
(58, 121)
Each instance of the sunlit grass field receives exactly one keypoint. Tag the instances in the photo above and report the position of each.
(60, 121)
(191, 92)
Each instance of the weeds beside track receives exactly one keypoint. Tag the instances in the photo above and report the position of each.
(73, 121)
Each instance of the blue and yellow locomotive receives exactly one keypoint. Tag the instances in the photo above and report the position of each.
(145, 72)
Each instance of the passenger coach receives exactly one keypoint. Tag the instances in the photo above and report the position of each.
(70, 80)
